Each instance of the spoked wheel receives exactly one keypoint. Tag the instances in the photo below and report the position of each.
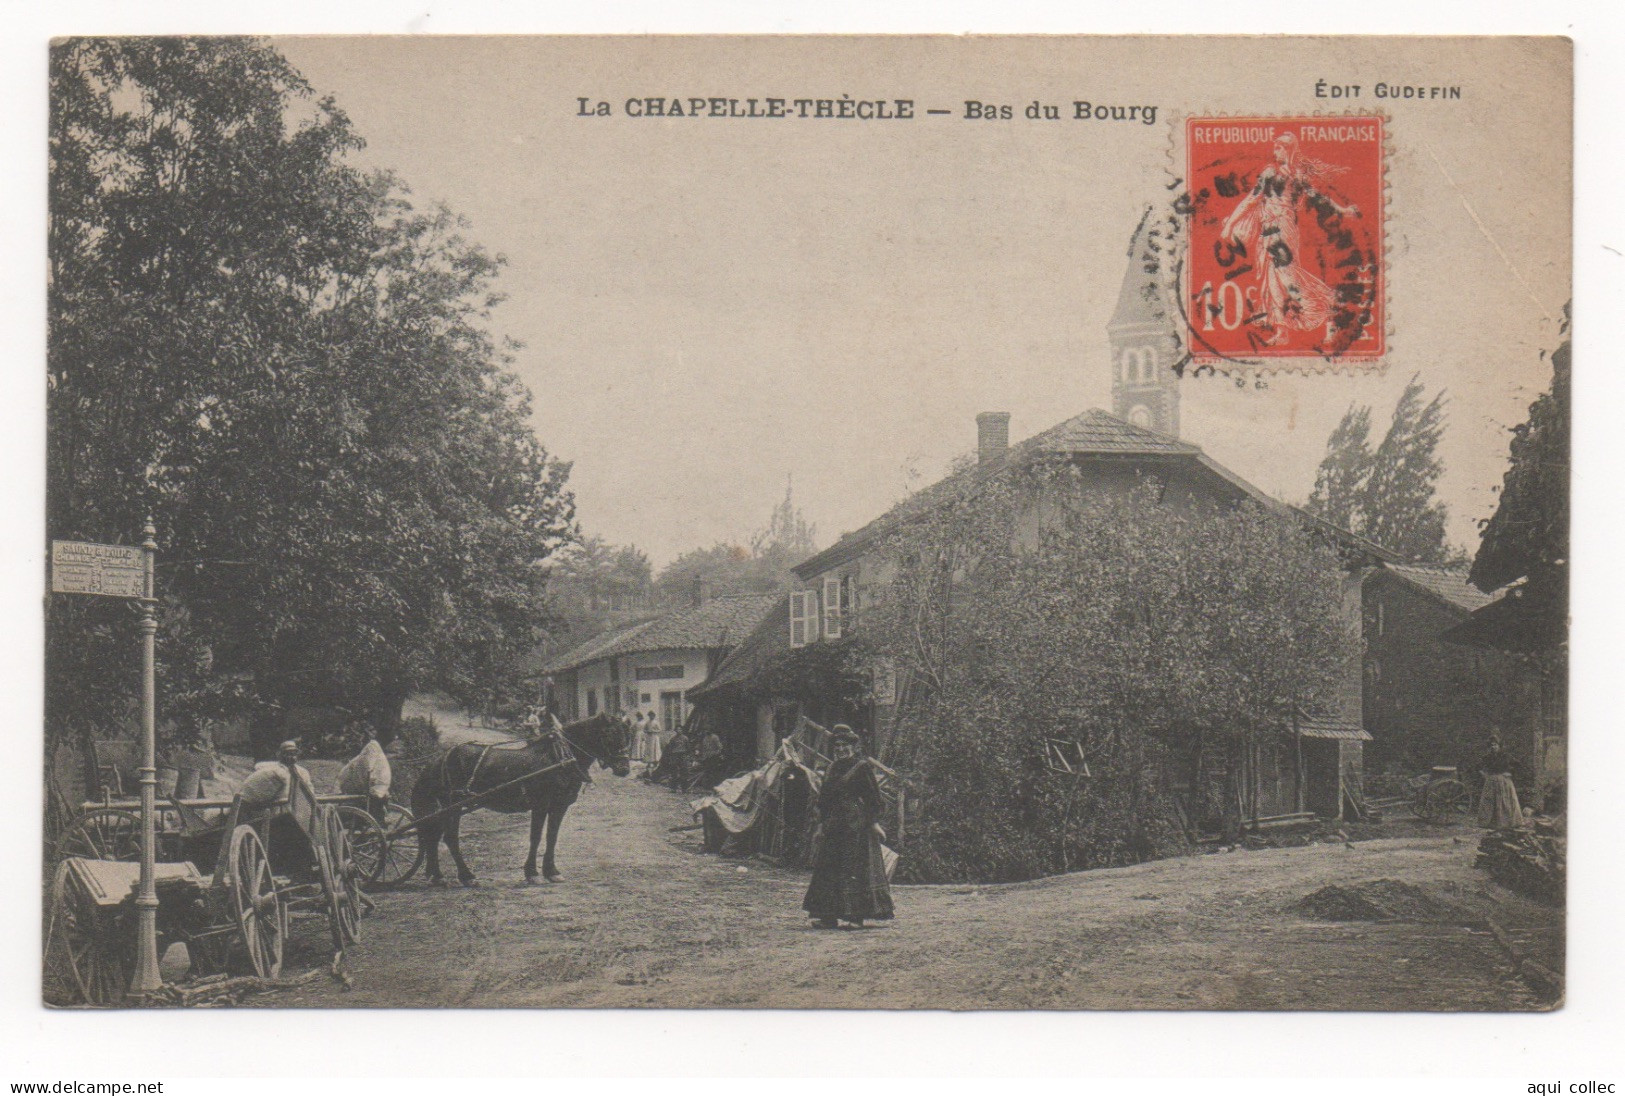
(344, 879)
(85, 962)
(262, 919)
(368, 845)
(105, 833)
(403, 852)
(1447, 800)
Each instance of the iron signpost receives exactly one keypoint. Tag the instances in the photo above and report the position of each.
(118, 570)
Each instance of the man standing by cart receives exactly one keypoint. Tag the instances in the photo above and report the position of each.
(272, 781)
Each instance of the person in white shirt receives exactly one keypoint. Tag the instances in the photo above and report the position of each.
(637, 736)
(651, 741)
(368, 774)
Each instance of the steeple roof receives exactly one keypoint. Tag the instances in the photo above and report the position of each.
(1140, 300)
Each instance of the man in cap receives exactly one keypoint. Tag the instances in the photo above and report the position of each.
(270, 782)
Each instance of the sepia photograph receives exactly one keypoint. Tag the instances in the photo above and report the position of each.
(807, 522)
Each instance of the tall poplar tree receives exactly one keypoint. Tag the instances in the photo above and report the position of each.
(1386, 494)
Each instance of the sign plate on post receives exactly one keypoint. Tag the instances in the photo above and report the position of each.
(111, 570)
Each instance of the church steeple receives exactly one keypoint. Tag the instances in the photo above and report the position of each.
(1145, 390)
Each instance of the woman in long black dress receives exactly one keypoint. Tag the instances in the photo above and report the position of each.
(849, 875)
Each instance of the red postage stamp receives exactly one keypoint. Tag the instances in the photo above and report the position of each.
(1285, 254)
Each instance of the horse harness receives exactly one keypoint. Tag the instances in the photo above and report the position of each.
(469, 795)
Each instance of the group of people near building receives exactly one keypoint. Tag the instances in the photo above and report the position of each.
(647, 744)
(682, 762)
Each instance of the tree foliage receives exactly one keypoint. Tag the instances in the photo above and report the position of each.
(761, 568)
(593, 575)
(287, 364)
(1528, 535)
(1527, 538)
(1386, 494)
(1163, 637)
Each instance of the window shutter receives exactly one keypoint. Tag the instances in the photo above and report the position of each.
(798, 619)
(832, 608)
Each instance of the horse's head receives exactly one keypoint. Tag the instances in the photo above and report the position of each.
(604, 738)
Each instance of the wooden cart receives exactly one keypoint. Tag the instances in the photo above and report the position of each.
(265, 865)
(385, 852)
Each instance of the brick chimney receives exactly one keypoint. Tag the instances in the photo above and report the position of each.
(701, 590)
(992, 436)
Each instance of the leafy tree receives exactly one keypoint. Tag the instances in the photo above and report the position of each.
(788, 538)
(593, 574)
(594, 586)
(1160, 637)
(723, 568)
(764, 567)
(1341, 478)
(1528, 536)
(286, 364)
(1387, 494)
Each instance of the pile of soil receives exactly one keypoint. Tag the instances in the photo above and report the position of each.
(1385, 900)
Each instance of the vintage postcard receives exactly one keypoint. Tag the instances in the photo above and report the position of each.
(808, 522)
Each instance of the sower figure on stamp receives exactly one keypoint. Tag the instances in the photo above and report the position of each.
(849, 873)
(1265, 226)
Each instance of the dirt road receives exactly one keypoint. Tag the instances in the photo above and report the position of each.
(644, 918)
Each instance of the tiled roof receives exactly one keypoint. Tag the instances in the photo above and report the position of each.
(1446, 582)
(719, 622)
(1093, 432)
(590, 651)
(769, 639)
(1333, 729)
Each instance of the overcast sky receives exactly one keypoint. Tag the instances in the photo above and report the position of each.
(711, 307)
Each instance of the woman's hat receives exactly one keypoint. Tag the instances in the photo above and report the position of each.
(842, 733)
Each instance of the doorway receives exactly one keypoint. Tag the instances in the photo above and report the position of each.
(671, 712)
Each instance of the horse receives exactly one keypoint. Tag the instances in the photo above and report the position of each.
(560, 761)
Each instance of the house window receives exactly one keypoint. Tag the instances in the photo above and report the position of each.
(849, 601)
(592, 703)
(1379, 618)
(832, 608)
(802, 611)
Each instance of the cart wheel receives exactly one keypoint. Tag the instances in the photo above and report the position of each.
(403, 852)
(84, 962)
(344, 899)
(368, 845)
(262, 919)
(1447, 799)
(105, 833)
